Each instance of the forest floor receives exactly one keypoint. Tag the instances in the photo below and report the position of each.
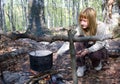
(110, 73)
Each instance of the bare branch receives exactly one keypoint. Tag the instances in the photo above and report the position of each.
(51, 38)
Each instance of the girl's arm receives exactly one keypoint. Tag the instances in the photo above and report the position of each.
(101, 32)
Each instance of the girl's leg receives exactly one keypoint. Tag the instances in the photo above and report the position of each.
(97, 56)
(79, 60)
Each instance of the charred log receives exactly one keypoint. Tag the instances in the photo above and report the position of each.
(12, 54)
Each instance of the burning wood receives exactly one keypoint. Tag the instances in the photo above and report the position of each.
(49, 77)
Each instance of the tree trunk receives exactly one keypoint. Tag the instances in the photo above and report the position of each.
(4, 20)
(0, 17)
(11, 16)
(24, 13)
(118, 4)
(36, 17)
(107, 9)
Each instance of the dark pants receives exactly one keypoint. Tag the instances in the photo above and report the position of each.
(95, 57)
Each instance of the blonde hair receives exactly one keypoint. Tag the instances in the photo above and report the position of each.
(90, 14)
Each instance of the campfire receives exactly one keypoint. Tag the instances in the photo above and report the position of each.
(49, 77)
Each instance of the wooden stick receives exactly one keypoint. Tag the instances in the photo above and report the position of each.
(73, 58)
(41, 76)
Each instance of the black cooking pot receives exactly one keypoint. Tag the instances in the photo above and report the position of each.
(41, 60)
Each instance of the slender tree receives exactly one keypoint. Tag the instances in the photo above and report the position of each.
(11, 16)
(24, 13)
(4, 20)
(0, 16)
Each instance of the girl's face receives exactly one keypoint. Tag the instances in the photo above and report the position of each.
(84, 23)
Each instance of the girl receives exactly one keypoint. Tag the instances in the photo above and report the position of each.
(89, 26)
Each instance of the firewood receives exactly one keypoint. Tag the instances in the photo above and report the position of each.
(41, 76)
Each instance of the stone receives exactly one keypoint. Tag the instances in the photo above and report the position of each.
(10, 77)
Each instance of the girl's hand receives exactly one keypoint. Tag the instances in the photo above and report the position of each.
(82, 52)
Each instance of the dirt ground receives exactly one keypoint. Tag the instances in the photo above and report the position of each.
(110, 73)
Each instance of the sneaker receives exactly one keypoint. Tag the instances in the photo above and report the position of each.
(81, 70)
(99, 67)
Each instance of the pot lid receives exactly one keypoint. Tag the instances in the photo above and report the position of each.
(40, 53)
